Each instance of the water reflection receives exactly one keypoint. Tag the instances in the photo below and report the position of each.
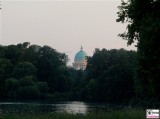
(69, 107)
(73, 107)
(18, 107)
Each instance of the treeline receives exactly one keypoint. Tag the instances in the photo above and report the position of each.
(32, 71)
(111, 75)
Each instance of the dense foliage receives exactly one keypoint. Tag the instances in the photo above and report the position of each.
(28, 71)
(143, 18)
(31, 71)
(110, 75)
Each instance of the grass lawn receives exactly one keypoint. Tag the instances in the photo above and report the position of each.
(123, 114)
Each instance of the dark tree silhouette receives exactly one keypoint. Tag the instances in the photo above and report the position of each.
(143, 25)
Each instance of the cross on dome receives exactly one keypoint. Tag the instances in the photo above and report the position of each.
(81, 47)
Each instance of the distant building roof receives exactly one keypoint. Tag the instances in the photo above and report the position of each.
(80, 60)
(80, 56)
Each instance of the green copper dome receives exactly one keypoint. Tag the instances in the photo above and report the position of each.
(80, 56)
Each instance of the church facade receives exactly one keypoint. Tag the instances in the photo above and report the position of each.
(80, 61)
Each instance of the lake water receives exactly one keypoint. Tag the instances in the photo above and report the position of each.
(74, 107)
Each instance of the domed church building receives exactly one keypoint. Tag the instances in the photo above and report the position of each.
(80, 60)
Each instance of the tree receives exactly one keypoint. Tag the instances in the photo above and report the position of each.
(31, 54)
(43, 87)
(110, 74)
(51, 66)
(12, 53)
(143, 25)
(24, 69)
(5, 69)
(11, 87)
(92, 89)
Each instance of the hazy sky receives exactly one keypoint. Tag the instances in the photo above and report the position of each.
(64, 25)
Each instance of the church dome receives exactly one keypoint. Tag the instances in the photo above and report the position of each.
(80, 56)
(80, 60)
